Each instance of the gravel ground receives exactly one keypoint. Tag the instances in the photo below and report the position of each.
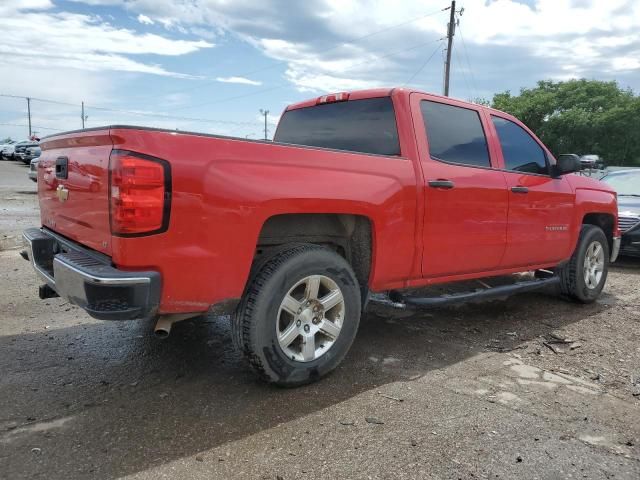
(532, 387)
(17, 202)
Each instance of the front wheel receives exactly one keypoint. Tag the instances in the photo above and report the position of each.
(584, 276)
(299, 315)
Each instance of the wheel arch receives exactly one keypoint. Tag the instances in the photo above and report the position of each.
(605, 221)
(350, 235)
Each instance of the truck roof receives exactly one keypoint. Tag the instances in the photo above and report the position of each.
(379, 92)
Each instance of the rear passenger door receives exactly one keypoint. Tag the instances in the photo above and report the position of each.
(540, 207)
(465, 196)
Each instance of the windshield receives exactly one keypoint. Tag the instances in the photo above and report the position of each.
(367, 126)
(624, 183)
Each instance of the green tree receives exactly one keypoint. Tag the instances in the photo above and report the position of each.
(580, 116)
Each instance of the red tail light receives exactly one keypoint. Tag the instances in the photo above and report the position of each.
(140, 194)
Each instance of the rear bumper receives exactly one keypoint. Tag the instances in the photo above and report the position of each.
(87, 279)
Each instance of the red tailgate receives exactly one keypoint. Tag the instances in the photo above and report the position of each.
(73, 187)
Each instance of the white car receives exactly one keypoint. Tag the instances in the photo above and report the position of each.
(7, 149)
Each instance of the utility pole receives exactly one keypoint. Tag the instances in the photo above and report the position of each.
(265, 113)
(451, 31)
(29, 114)
(83, 116)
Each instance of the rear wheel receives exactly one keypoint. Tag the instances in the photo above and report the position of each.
(299, 315)
(585, 275)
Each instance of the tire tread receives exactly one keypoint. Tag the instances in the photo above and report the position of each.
(243, 319)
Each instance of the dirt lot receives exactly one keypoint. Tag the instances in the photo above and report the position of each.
(481, 391)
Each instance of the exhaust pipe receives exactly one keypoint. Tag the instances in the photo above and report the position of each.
(164, 323)
(163, 327)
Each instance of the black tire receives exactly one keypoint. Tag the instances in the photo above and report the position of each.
(254, 323)
(572, 279)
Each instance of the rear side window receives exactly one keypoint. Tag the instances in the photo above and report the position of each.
(455, 134)
(520, 151)
(367, 126)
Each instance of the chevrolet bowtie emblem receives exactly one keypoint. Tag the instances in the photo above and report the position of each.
(62, 193)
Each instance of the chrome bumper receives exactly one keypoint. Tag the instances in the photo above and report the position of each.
(87, 279)
(615, 249)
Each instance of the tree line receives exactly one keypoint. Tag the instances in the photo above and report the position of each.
(580, 116)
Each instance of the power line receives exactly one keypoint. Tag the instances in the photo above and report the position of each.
(423, 65)
(169, 117)
(235, 97)
(22, 97)
(464, 74)
(133, 112)
(464, 48)
(283, 85)
(228, 122)
(332, 49)
(210, 120)
(34, 126)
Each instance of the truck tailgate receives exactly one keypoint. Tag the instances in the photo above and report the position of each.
(73, 187)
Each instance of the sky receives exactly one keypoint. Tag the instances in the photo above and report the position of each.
(212, 65)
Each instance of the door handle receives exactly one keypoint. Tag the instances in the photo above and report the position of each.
(519, 189)
(445, 184)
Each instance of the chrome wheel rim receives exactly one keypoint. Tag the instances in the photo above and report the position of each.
(310, 318)
(593, 265)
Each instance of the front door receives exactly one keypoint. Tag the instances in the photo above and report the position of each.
(466, 198)
(540, 206)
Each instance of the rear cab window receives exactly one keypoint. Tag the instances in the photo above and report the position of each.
(455, 134)
(366, 126)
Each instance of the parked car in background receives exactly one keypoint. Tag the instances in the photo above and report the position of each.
(9, 149)
(33, 169)
(2, 148)
(627, 184)
(31, 153)
(21, 151)
(34, 154)
(592, 162)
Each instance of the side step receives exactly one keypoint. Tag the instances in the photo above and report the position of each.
(401, 301)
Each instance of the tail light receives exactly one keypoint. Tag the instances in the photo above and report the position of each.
(140, 198)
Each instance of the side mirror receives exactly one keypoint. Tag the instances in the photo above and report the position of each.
(567, 163)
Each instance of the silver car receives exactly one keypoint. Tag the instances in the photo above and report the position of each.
(33, 169)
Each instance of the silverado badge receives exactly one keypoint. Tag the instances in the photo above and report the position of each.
(62, 193)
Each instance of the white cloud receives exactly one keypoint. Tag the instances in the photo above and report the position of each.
(83, 42)
(9, 7)
(240, 80)
(143, 19)
(315, 39)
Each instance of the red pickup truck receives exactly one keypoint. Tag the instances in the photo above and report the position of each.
(380, 190)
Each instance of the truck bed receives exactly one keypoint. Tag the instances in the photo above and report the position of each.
(223, 189)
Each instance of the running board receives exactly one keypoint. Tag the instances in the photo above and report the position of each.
(398, 300)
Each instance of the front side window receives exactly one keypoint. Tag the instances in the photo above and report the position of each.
(520, 151)
(367, 126)
(455, 134)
